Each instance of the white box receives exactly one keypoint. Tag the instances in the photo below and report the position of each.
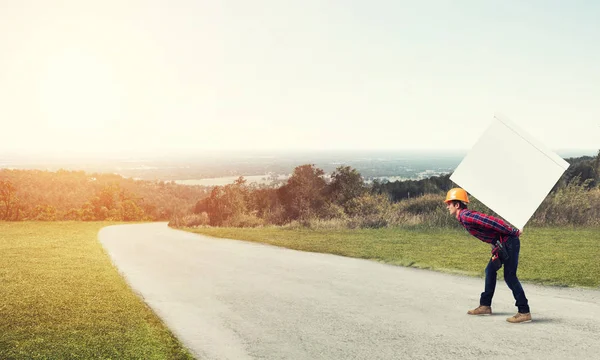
(509, 171)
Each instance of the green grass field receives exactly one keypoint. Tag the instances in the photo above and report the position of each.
(61, 298)
(549, 256)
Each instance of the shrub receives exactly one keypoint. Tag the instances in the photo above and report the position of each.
(190, 220)
(276, 216)
(243, 220)
(570, 205)
(372, 211)
(368, 204)
(333, 211)
(425, 204)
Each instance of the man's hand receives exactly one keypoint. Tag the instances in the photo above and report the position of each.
(519, 233)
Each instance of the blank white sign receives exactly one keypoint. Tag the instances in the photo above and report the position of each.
(509, 171)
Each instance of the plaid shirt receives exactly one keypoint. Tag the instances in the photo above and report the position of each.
(485, 227)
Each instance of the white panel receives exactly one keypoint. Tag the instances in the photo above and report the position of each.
(509, 171)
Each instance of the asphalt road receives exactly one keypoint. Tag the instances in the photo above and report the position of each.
(229, 299)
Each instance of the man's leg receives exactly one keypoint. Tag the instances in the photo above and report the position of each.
(490, 285)
(513, 247)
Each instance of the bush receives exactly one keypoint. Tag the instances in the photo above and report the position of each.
(44, 213)
(369, 204)
(73, 214)
(243, 220)
(277, 216)
(190, 220)
(372, 211)
(425, 204)
(570, 205)
(428, 210)
(333, 211)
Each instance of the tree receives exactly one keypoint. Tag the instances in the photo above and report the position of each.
(225, 202)
(44, 213)
(8, 201)
(107, 196)
(303, 194)
(264, 201)
(346, 184)
(131, 211)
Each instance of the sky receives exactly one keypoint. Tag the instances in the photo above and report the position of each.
(187, 76)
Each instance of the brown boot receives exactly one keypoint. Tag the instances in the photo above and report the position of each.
(481, 310)
(519, 318)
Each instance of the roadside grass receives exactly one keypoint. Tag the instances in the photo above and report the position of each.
(549, 256)
(61, 298)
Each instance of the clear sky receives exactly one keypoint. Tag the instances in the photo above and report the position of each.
(176, 76)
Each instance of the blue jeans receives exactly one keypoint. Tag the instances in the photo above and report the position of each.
(513, 245)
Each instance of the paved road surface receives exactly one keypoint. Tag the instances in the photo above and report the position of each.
(230, 299)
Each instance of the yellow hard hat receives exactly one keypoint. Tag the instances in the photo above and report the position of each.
(457, 194)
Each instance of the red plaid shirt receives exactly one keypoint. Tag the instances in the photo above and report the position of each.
(485, 227)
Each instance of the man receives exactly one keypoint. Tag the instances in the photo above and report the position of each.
(505, 250)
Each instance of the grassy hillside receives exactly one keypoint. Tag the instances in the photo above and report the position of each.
(551, 256)
(62, 298)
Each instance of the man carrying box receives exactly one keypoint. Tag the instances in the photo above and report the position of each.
(505, 243)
